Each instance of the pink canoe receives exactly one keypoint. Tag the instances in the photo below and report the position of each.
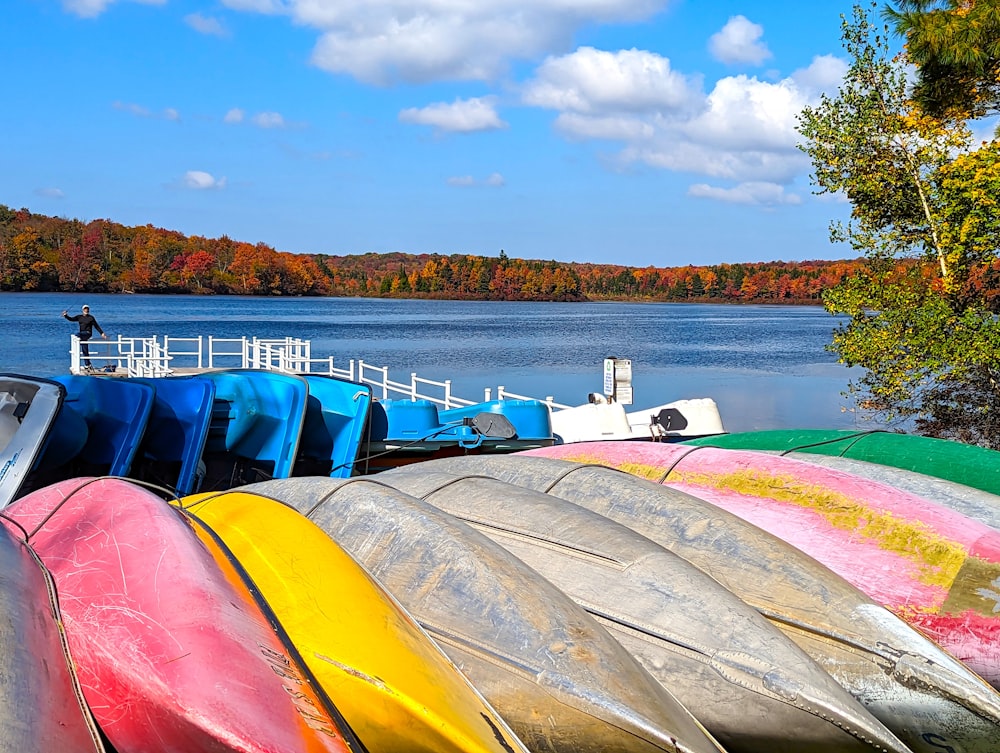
(936, 568)
(41, 706)
(172, 654)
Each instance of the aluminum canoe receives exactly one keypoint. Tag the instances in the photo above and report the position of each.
(751, 686)
(41, 705)
(557, 677)
(934, 567)
(921, 692)
(398, 691)
(172, 652)
(28, 410)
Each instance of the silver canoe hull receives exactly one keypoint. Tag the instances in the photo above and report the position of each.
(751, 686)
(557, 677)
(41, 705)
(929, 699)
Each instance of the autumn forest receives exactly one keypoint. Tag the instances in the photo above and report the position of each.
(41, 253)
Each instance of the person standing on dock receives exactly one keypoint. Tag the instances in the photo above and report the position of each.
(87, 326)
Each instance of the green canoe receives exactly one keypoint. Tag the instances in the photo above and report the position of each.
(964, 464)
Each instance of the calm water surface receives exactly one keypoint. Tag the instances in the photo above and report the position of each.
(765, 366)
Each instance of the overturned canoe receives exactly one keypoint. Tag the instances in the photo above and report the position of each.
(964, 464)
(932, 566)
(41, 706)
(29, 407)
(395, 687)
(919, 691)
(712, 651)
(172, 652)
(969, 501)
(555, 675)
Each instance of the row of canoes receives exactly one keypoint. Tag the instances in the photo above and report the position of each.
(480, 603)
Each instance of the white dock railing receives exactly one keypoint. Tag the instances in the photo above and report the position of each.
(151, 357)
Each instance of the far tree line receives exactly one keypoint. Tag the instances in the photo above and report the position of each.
(42, 253)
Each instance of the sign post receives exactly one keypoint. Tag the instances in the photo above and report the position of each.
(618, 380)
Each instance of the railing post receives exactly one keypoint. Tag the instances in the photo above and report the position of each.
(74, 354)
(486, 394)
(413, 384)
(500, 392)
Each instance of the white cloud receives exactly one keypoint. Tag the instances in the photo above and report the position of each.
(629, 128)
(418, 41)
(267, 7)
(824, 74)
(50, 193)
(94, 8)
(134, 109)
(206, 25)
(739, 42)
(753, 192)
(234, 115)
(592, 81)
(743, 130)
(745, 113)
(201, 181)
(167, 113)
(268, 120)
(494, 180)
(462, 115)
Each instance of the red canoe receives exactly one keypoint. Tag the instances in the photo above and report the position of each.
(936, 568)
(172, 654)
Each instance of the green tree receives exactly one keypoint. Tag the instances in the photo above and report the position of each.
(921, 320)
(956, 47)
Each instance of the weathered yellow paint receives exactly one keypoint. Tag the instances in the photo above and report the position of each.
(939, 558)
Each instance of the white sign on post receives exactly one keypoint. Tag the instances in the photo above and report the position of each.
(618, 380)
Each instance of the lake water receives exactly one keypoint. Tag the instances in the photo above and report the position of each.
(765, 366)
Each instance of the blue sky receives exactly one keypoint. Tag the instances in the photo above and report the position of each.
(638, 132)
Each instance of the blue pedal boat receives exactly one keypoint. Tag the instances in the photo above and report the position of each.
(406, 431)
(255, 428)
(97, 431)
(337, 413)
(174, 441)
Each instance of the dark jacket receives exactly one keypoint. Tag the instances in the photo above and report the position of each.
(87, 325)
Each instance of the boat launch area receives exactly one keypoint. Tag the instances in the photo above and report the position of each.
(150, 357)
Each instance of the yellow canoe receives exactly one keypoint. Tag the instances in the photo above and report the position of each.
(394, 686)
